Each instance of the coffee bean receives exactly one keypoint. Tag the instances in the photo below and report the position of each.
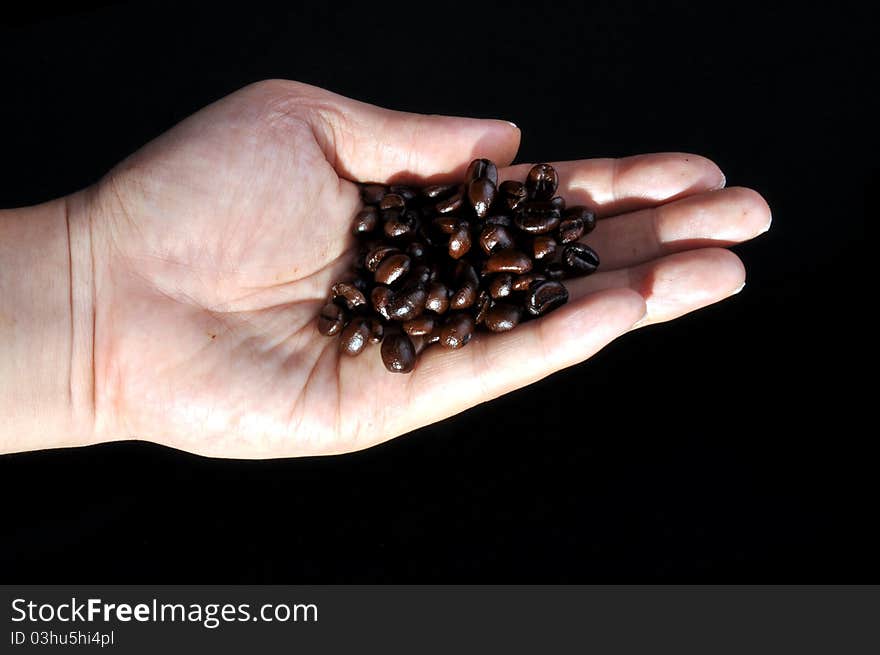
(579, 259)
(372, 193)
(536, 219)
(406, 192)
(573, 219)
(513, 193)
(464, 297)
(523, 282)
(545, 296)
(495, 236)
(543, 246)
(437, 299)
(381, 298)
(451, 204)
(509, 260)
(503, 317)
(398, 353)
(481, 168)
(392, 269)
(434, 336)
(377, 330)
(457, 331)
(483, 304)
(498, 219)
(354, 337)
(481, 193)
(392, 201)
(332, 319)
(419, 276)
(350, 294)
(407, 305)
(376, 255)
(420, 326)
(460, 241)
(395, 224)
(542, 182)
(439, 191)
(447, 224)
(501, 285)
(365, 221)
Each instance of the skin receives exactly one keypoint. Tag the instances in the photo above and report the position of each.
(178, 295)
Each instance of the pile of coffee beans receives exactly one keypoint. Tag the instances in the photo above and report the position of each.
(435, 264)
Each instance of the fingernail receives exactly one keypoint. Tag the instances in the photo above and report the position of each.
(738, 289)
(767, 227)
(512, 124)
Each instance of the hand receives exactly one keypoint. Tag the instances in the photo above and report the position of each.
(215, 245)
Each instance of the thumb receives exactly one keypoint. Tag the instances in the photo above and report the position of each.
(365, 143)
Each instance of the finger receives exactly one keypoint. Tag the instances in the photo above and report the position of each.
(715, 218)
(369, 143)
(673, 285)
(447, 382)
(613, 186)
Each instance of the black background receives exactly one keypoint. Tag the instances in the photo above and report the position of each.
(724, 447)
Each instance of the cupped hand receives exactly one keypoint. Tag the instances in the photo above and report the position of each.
(215, 245)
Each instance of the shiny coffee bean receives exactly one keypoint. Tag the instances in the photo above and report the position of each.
(482, 305)
(578, 213)
(392, 201)
(536, 219)
(498, 219)
(451, 204)
(523, 282)
(579, 259)
(437, 299)
(376, 255)
(407, 305)
(460, 241)
(543, 246)
(481, 168)
(513, 193)
(501, 285)
(354, 337)
(503, 317)
(545, 296)
(399, 226)
(392, 269)
(372, 193)
(571, 229)
(398, 353)
(457, 331)
(365, 221)
(464, 297)
(332, 319)
(381, 298)
(542, 182)
(350, 294)
(418, 327)
(481, 193)
(495, 237)
(439, 191)
(509, 260)
(446, 224)
(377, 330)
(434, 336)
(408, 193)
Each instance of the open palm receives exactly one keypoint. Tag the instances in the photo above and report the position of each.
(216, 244)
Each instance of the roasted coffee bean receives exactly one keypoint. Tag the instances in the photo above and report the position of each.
(332, 319)
(464, 297)
(372, 193)
(407, 305)
(377, 330)
(392, 201)
(481, 168)
(451, 204)
(365, 221)
(446, 224)
(502, 317)
(536, 219)
(513, 193)
(501, 285)
(571, 229)
(376, 255)
(392, 269)
(350, 294)
(439, 191)
(554, 271)
(457, 331)
(495, 237)
(419, 276)
(399, 226)
(437, 299)
(398, 353)
(509, 260)
(498, 219)
(572, 219)
(523, 282)
(545, 296)
(483, 304)
(416, 251)
(420, 326)
(460, 241)
(406, 192)
(543, 246)
(579, 259)
(465, 272)
(542, 182)
(354, 337)
(381, 298)
(481, 193)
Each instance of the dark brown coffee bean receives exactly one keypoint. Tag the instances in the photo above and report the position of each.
(542, 182)
(332, 319)
(481, 168)
(372, 193)
(377, 330)
(407, 305)
(392, 201)
(523, 282)
(419, 276)
(392, 269)
(576, 222)
(460, 241)
(376, 255)
(495, 237)
(503, 317)
(513, 193)
(481, 193)
(398, 353)
(536, 218)
(457, 331)
(350, 294)
(451, 204)
(483, 304)
(543, 246)
(439, 191)
(501, 285)
(579, 259)
(381, 298)
(434, 336)
(354, 337)
(408, 193)
(446, 224)
(509, 260)
(365, 221)
(418, 327)
(464, 272)
(438, 298)
(464, 297)
(498, 219)
(545, 296)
